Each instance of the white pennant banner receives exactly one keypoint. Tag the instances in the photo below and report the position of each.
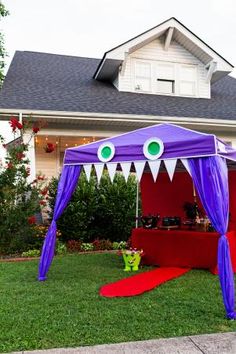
(87, 170)
(126, 169)
(99, 169)
(139, 167)
(170, 167)
(154, 167)
(111, 167)
(186, 165)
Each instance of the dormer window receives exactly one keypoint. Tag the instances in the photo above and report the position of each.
(165, 78)
(168, 59)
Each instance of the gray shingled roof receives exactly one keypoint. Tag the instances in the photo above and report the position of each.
(40, 81)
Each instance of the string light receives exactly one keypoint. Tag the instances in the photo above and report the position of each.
(66, 145)
(46, 138)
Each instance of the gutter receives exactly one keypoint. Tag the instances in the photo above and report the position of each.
(5, 114)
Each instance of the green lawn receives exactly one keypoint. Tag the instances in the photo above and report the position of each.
(67, 310)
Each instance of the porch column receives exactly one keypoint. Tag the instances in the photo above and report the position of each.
(30, 154)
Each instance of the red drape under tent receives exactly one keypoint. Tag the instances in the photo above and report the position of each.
(155, 149)
(182, 247)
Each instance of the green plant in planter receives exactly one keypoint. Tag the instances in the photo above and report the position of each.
(132, 259)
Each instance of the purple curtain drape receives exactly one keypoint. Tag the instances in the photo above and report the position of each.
(210, 177)
(66, 187)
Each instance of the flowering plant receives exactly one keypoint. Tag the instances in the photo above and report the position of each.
(41, 231)
(132, 251)
(20, 199)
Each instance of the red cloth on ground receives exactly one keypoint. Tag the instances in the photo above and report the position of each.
(181, 248)
(139, 283)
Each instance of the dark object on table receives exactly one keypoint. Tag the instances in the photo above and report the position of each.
(210, 228)
(171, 221)
(150, 221)
(191, 210)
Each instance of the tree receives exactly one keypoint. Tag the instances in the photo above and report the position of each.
(3, 53)
(20, 199)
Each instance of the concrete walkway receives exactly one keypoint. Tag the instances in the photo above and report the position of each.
(221, 343)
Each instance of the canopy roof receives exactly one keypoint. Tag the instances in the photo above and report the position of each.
(178, 142)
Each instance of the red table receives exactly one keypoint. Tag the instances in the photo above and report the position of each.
(181, 248)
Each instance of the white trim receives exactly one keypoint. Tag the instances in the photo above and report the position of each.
(20, 117)
(142, 118)
(226, 157)
(211, 70)
(168, 38)
(123, 65)
(118, 52)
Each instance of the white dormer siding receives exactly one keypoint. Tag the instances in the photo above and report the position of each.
(154, 70)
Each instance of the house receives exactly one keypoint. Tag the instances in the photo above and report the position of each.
(166, 74)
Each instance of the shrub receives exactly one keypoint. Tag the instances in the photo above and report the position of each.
(20, 199)
(119, 245)
(107, 209)
(74, 246)
(86, 246)
(60, 248)
(102, 245)
(31, 253)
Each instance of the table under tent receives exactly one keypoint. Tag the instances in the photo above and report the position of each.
(206, 158)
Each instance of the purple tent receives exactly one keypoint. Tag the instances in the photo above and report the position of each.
(203, 155)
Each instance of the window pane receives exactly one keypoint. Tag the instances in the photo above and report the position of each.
(187, 88)
(165, 71)
(165, 86)
(143, 84)
(143, 69)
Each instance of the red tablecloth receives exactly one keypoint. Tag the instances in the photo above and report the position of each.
(181, 248)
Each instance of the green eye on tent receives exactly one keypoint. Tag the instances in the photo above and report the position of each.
(106, 152)
(153, 148)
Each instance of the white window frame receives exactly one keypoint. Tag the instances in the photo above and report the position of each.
(154, 77)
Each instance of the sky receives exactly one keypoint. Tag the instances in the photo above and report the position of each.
(90, 27)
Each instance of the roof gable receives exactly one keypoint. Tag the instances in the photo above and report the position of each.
(113, 58)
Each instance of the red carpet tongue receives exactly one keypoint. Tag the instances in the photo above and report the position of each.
(139, 283)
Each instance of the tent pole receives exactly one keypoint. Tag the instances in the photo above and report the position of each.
(137, 200)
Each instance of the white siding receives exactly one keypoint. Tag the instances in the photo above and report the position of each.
(115, 83)
(176, 55)
(46, 163)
